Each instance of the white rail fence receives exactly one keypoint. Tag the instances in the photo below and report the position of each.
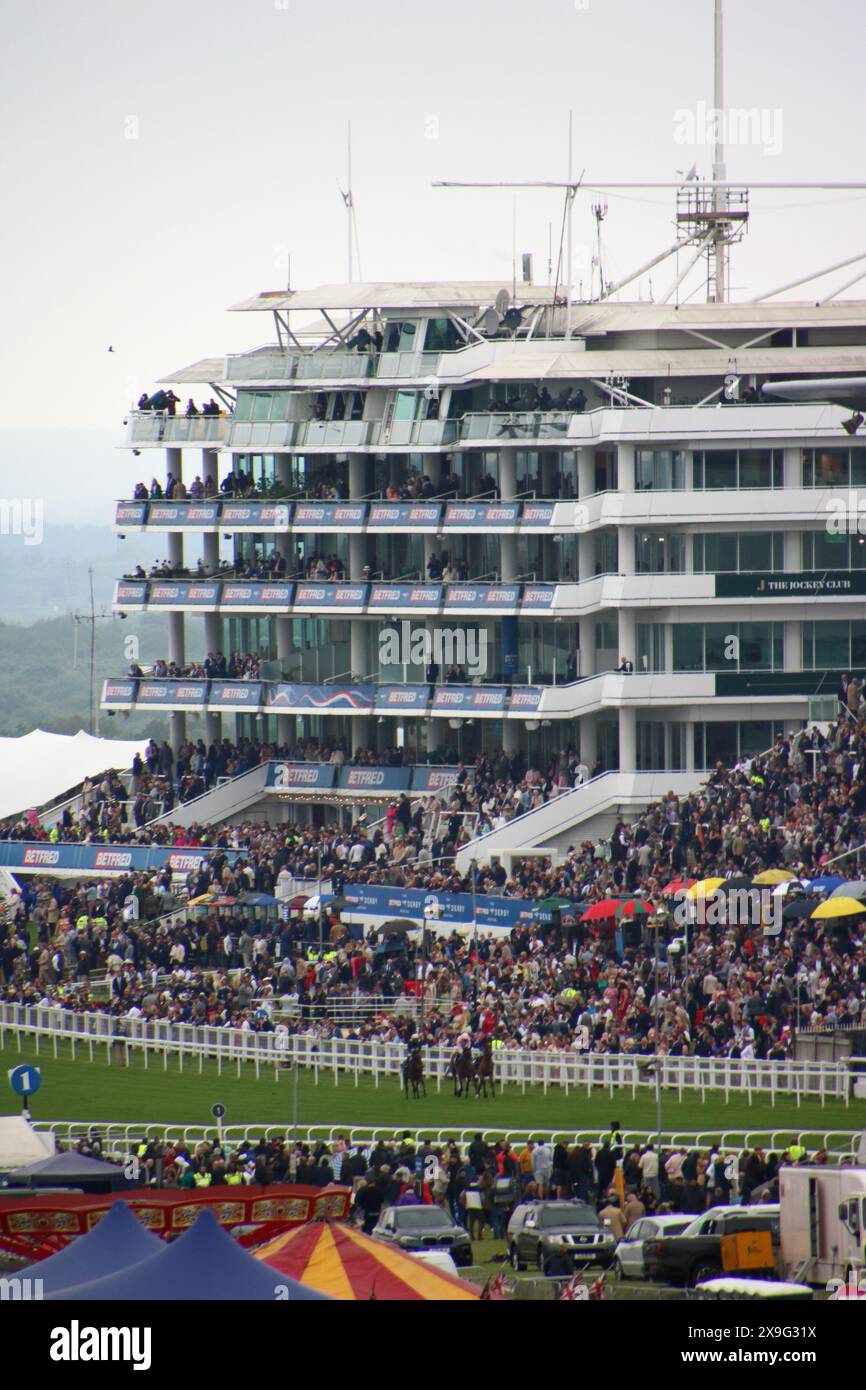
(121, 1138)
(572, 1071)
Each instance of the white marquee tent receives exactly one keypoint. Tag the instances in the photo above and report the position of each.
(39, 767)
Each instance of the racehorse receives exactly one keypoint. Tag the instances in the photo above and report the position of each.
(413, 1073)
(483, 1073)
(462, 1068)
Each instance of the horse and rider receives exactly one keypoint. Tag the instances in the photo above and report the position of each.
(472, 1066)
(413, 1068)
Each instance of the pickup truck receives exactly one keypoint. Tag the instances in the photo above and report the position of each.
(696, 1254)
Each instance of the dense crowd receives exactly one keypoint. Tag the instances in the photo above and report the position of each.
(408, 1170)
(547, 984)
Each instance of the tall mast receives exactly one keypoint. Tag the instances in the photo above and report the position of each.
(348, 198)
(720, 195)
(568, 263)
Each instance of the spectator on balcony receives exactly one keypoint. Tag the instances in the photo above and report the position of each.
(210, 408)
(191, 407)
(171, 402)
(210, 487)
(487, 487)
(144, 401)
(155, 489)
(196, 488)
(140, 493)
(625, 666)
(571, 668)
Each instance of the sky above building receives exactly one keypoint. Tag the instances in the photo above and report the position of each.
(163, 161)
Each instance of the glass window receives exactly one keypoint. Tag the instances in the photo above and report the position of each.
(755, 468)
(858, 644)
(441, 336)
(718, 647)
(720, 468)
(831, 468)
(406, 405)
(244, 405)
(756, 552)
(858, 467)
(262, 405)
(826, 645)
(756, 646)
(688, 653)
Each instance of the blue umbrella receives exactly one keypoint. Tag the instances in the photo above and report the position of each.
(826, 884)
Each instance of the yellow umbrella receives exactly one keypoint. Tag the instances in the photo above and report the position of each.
(704, 888)
(774, 876)
(839, 907)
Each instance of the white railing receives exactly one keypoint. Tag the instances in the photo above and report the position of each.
(119, 1138)
(785, 1080)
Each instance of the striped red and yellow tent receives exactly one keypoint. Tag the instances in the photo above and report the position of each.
(340, 1260)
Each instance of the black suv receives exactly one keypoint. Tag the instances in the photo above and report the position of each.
(424, 1228)
(554, 1233)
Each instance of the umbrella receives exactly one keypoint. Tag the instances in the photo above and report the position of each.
(797, 908)
(399, 927)
(738, 884)
(335, 904)
(634, 907)
(825, 884)
(855, 889)
(678, 885)
(339, 1260)
(838, 907)
(605, 909)
(551, 904)
(771, 877)
(705, 887)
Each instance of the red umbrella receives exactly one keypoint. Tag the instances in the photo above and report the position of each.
(599, 911)
(679, 885)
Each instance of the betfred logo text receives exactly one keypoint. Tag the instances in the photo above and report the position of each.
(41, 856)
(184, 863)
(363, 777)
(112, 859)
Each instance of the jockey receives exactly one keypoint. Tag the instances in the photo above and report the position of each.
(463, 1041)
(414, 1045)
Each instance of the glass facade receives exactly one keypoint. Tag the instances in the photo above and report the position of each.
(753, 551)
(716, 469)
(728, 647)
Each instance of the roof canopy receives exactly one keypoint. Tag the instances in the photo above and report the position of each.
(381, 294)
(71, 1170)
(117, 1241)
(38, 767)
(205, 1264)
(20, 1144)
(339, 1260)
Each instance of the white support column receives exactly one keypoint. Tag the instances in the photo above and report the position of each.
(357, 555)
(690, 745)
(586, 555)
(508, 558)
(626, 549)
(359, 648)
(627, 739)
(549, 468)
(792, 551)
(625, 468)
(627, 633)
(793, 645)
(507, 475)
(588, 739)
(585, 471)
(793, 467)
(586, 647)
(356, 476)
(210, 466)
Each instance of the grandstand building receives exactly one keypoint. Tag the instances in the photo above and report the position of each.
(516, 496)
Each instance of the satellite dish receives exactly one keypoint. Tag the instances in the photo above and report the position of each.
(502, 303)
(489, 321)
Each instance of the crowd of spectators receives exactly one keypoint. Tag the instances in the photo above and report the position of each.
(548, 983)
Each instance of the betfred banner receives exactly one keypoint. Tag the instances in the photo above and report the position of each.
(268, 595)
(325, 699)
(499, 597)
(172, 594)
(537, 513)
(475, 699)
(484, 514)
(242, 695)
(435, 779)
(370, 780)
(132, 593)
(171, 694)
(102, 858)
(315, 516)
(256, 516)
(130, 514)
(180, 514)
(391, 596)
(321, 596)
(119, 692)
(526, 700)
(397, 699)
(538, 596)
(390, 515)
(300, 776)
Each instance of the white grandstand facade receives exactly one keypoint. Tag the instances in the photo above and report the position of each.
(561, 487)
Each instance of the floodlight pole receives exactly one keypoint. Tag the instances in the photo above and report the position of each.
(658, 1047)
(472, 869)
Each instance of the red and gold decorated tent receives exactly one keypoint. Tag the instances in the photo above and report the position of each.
(341, 1261)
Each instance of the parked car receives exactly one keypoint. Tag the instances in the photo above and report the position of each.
(424, 1228)
(553, 1233)
(628, 1260)
(696, 1255)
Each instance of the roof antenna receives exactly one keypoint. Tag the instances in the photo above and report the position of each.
(720, 195)
(349, 204)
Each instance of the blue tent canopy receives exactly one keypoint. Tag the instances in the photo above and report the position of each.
(116, 1242)
(205, 1264)
(72, 1169)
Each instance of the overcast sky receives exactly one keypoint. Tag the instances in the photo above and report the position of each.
(162, 158)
